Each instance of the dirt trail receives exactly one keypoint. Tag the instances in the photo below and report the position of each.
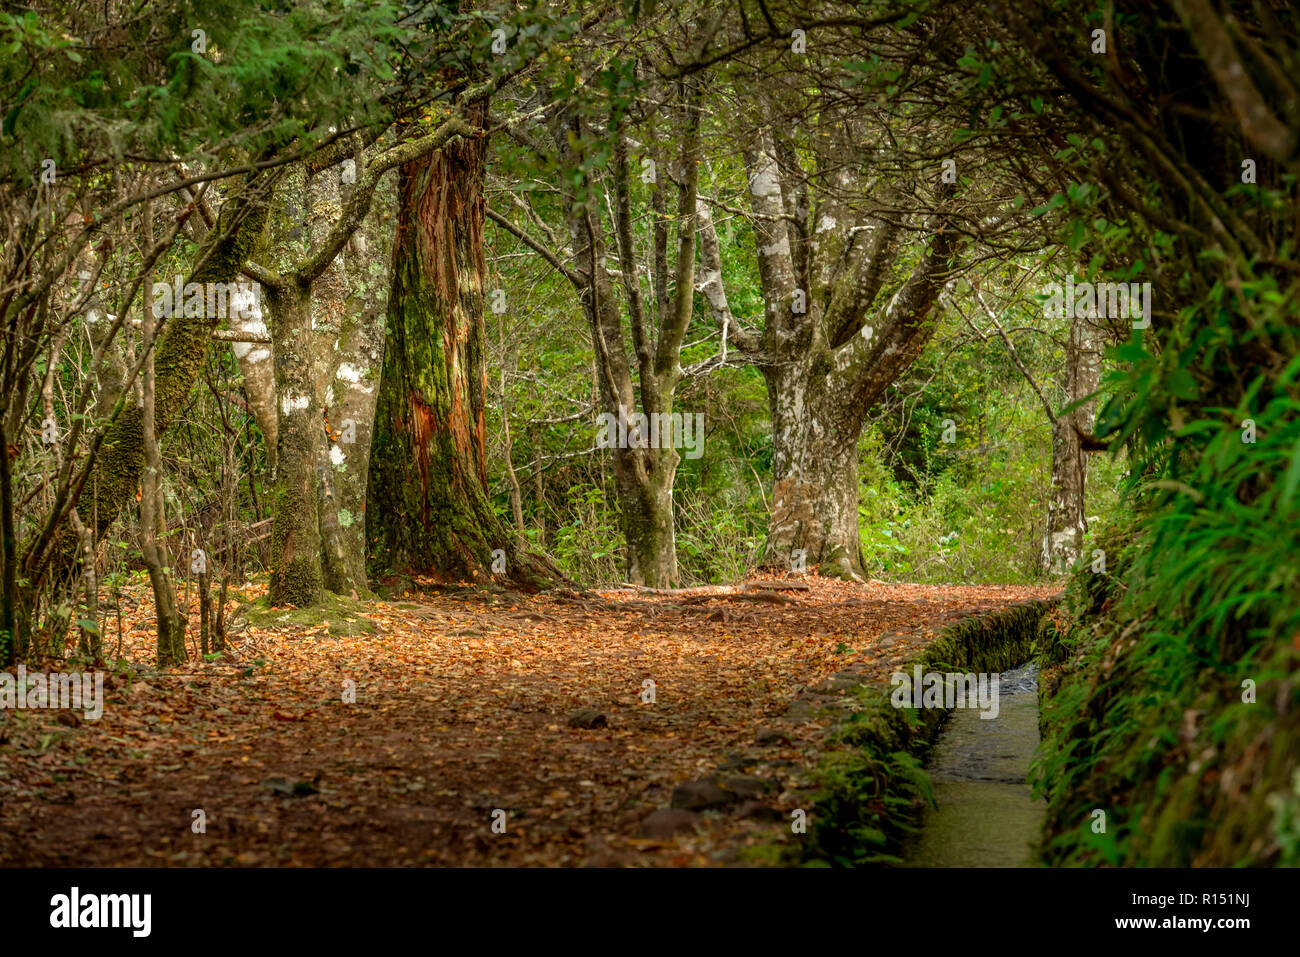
(463, 708)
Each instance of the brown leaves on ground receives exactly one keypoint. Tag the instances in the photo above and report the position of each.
(466, 704)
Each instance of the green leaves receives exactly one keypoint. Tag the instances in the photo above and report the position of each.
(1056, 202)
(263, 78)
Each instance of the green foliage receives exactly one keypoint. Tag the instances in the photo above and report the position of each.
(972, 510)
(1286, 823)
(78, 93)
(1152, 711)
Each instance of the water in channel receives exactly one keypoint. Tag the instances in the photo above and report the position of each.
(985, 816)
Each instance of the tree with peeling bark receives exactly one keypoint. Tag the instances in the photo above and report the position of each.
(302, 312)
(427, 510)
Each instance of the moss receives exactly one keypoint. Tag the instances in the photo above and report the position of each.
(396, 586)
(765, 855)
(179, 358)
(1188, 773)
(341, 616)
(297, 581)
(296, 577)
(871, 786)
(836, 564)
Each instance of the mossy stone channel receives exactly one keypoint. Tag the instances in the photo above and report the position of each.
(872, 793)
(985, 815)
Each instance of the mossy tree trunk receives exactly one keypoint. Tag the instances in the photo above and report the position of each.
(814, 516)
(326, 339)
(179, 356)
(427, 507)
(317, 396)
(296, 576)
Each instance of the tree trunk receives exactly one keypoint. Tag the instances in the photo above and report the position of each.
(257, 370)
(643, 474)
(90, 645)
(356, 286)
(814, 515)
(539, 496)
(296, 577)
(516, 495)
(643, 477)
(1067, 519)
(828, 350)
(179, 357)
(170, 622)
(112, 374)
(350, 408)
(645, 495)
(427, 506)
(326, 293)
(8, 555)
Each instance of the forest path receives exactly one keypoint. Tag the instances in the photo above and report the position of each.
(465, 705)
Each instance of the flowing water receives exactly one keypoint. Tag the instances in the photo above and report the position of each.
(986, 817)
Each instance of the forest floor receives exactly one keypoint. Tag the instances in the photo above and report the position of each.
(466, 704)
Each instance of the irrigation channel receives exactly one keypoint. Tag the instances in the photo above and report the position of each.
(985, 815)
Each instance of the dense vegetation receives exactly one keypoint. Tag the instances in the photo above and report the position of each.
(830, 231)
